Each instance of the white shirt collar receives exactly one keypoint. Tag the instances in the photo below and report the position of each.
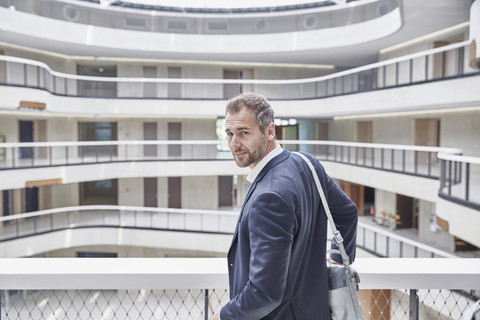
(256, 170)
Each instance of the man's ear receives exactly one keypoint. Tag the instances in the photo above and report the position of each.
(271, 131)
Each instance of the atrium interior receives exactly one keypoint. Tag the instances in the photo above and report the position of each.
(112, 146)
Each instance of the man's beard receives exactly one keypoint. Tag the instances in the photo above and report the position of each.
(255, 155)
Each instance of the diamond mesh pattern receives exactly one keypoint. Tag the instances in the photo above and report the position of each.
(190, 304)
(110, 304)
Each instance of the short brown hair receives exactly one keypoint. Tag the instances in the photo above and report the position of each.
(256, 103)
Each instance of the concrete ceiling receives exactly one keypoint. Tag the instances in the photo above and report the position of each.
(420, 17)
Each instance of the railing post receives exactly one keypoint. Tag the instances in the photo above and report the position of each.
(206, 304)
(411, 71)
(25, 76)
(429, 164)
(467, 180)
(426, 67)
(388, 247)
(449, 178)
(392, 156)
(413, 305)
(416, 161)
(38, 77)
(382, 158)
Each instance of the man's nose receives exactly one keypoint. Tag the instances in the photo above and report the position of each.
(234, 142)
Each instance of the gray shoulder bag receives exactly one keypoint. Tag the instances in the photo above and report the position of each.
(342, 279)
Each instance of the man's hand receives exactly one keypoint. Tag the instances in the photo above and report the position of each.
(216, 317)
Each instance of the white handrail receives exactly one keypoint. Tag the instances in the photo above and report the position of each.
(458, 158)
(211, 273)
(238, 81)
(108, 143)
(116, 208)
(217, 142)
(372, 145)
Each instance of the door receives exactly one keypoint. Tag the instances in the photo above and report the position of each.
(26, 135)
(150, 133)
(356, 192)
(7, 202)
(97, 131)
(40, 135)
(150, 192)
(427, 133)
(364, 133)
(174, 192)
(439, 61)
(404, 216)
(225, 191)
(288, 132)
(174, 89)
(149, 88)
(101, 192)
(31, 199)
(174, 133)
(97, 88)
(231, 90)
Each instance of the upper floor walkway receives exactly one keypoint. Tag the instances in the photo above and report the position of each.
(161, 29)
(438, 175)
(434, 79)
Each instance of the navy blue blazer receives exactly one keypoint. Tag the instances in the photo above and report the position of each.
(277, 259)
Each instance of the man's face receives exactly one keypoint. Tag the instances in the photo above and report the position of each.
(245, 139)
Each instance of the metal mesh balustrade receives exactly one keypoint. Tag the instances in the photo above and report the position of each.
(203, 304)
(111, 304)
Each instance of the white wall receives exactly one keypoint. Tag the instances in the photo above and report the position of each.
(159, 241)
(200, 192)
(427, 231)
(385, 201)
(459, 128)
(130, 192)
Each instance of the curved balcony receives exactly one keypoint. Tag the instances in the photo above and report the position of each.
(410, 170)
(458, 175)
(405, 159)
(207, 21)
(86, 26)
(459, 194)
(408, 70)
(179, 224)
(420, 78)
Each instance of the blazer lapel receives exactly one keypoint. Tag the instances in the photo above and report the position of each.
(281, 157)
(250, 190)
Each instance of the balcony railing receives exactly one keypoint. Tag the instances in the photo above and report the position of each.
(442, 63)
(407, 159)
(100, 216)
(385, 243)
(458, 177)
(137, 288)
(372, 238)
(183, 20)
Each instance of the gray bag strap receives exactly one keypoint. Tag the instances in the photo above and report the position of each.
(336, 233)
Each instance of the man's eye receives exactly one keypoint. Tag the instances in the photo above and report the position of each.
(229, 134)
(244, 132)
